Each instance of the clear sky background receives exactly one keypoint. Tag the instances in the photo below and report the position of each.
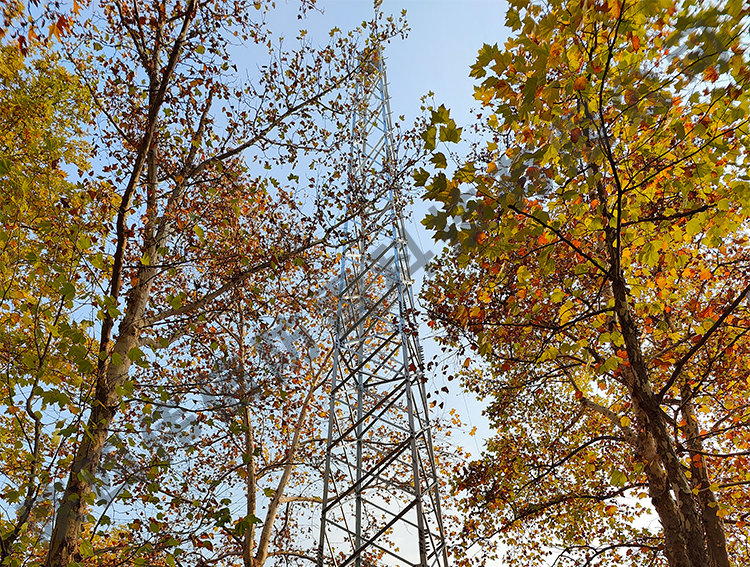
(442, 44)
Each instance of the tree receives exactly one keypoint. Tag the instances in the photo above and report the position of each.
(229, 448)
(598, 272)
(50, 230)
(183, 211)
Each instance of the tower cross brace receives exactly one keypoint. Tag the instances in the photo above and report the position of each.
(381, 502)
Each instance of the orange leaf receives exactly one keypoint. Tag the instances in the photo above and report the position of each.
(580, 83)
(53, 30)
(635, 41)
(711, 75)
(705, 274)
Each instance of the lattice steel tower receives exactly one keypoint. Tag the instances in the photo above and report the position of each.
(380, 496)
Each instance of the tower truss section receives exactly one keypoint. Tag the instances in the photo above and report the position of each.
(381, 501)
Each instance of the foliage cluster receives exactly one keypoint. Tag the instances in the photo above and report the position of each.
(166, 236)
(597, 271)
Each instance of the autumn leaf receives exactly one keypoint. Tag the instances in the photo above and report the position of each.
(635, 41)
(711, 74)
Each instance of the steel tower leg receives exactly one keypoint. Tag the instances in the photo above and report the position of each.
(380, 496)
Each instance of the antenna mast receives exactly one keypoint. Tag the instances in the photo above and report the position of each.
(380, 495)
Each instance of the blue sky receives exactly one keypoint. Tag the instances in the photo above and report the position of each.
(442, 44)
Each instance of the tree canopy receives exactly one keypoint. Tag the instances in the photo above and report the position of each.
(167, 234)
(596, 275)
(168, 227)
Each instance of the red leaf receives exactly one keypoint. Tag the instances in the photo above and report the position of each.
(22, 45)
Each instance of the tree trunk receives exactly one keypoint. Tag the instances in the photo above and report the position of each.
(654, 424)
(109, 376)
(647, 403)
(661, 498)
(72, 512)
(712, 524)
(248, 542)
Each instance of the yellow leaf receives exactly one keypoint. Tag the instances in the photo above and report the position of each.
(566, 312)
(625, 421)
(54, 30)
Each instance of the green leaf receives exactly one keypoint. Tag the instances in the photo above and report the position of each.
(439, 160)
(87, 550)
(428, 136)
(617, 478)
(421, 176)
(649, 254)
(513, 19)
(523, 275)
(138, 358)
(449, 133)
(694, 225)
(440, 116)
